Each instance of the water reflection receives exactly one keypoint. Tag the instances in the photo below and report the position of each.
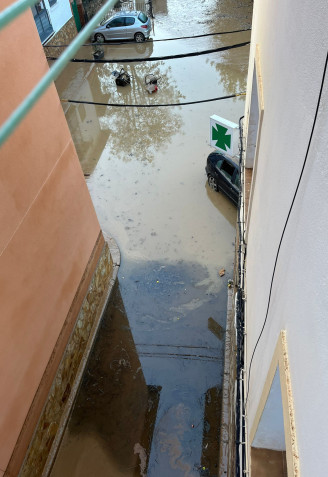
(216, 328)
(169, 307)
(232, 65)
(110, 50)
(211, 431)
(117, 49)
(115, 411)
(149, 404)
(226, 208)
(232, 68)
(137, 133)
(89, 137)
(123, 133)
(170, 303)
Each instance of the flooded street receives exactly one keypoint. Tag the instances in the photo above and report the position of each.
(150, 400)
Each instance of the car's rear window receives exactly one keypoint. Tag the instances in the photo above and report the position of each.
(142, 17)
(227, 170)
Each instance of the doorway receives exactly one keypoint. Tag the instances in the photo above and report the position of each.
(42, 20)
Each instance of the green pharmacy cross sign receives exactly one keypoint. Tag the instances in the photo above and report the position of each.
(224, 135)
(223, 141)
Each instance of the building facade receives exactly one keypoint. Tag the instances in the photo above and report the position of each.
(56, 268)
(285, 230)
(50, 16)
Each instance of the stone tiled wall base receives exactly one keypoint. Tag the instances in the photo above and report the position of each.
(55, 413)
(227, 459)
(92, 6)
(63, 37)
(227, 435)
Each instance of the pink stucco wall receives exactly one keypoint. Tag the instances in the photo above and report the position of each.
(48, 229)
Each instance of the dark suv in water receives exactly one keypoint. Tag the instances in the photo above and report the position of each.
(223, 174)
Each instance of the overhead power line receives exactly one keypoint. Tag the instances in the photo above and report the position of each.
(152, 41)
(121, 105)
(203, 35)
(156, 58)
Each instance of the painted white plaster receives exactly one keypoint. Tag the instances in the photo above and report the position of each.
(59, 13)
(270, 432)
(293, 42)
(253, 123)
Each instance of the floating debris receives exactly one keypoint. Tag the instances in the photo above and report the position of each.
(122, 78)
(222, 272)
(151, 83)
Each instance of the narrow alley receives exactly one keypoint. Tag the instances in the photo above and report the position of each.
(150, 400)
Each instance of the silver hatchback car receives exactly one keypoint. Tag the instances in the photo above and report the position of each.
(124, 25)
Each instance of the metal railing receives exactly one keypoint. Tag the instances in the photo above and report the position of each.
(8, 15)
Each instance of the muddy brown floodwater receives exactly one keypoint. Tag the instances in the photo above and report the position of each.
(150, 400)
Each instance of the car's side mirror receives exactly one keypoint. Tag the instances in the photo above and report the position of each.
(108, 25)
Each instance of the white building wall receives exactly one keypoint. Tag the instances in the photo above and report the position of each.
(59, 13)
(293, 43)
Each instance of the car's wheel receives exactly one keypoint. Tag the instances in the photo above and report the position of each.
(99, 38)
(212, 182)
(139, 37)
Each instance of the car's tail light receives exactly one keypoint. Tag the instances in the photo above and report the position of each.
(144, 26)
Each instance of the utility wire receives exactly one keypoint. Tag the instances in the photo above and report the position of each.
(120, 105)
(156, 58)
(152, 41)
(286, 222)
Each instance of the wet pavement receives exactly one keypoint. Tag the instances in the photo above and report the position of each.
(150, 400)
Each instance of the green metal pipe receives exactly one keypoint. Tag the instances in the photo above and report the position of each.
(18, 115)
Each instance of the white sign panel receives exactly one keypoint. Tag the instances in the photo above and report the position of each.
(224, 135)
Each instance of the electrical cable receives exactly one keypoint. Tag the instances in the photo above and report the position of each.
(286, 222)
(121, 105)
(152, 41)
(156, 58)
(240, 436)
